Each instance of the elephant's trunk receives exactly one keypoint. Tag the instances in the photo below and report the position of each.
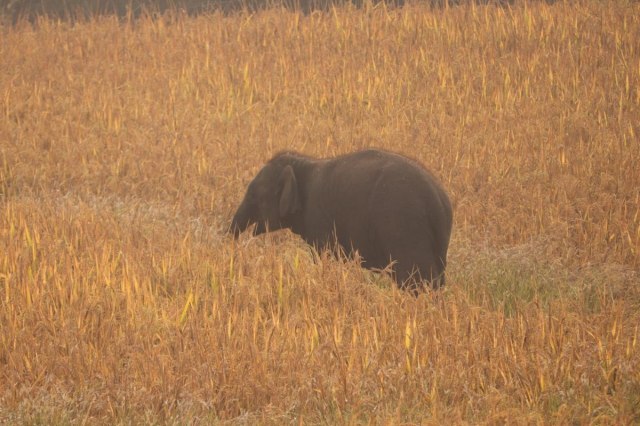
(239, 223)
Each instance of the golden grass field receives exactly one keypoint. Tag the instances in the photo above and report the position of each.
(125, 148)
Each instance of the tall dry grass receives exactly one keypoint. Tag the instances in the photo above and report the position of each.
(126, 147)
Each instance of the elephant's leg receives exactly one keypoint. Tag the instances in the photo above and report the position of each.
(416, 267)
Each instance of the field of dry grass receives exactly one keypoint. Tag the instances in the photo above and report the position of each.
(126, 147)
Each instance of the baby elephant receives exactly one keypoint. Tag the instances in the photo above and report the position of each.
(385, 206)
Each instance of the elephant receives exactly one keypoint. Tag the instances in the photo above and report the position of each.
(383, 206)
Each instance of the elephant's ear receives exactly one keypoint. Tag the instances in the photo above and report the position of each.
(289, 198)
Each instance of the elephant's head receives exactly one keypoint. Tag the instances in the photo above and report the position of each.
(271, 198)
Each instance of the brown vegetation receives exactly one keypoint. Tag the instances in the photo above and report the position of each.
(125, 148)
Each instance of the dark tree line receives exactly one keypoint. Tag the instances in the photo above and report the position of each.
(15, 10)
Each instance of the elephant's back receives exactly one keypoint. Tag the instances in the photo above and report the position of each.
(394, 167)
(359, 176)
